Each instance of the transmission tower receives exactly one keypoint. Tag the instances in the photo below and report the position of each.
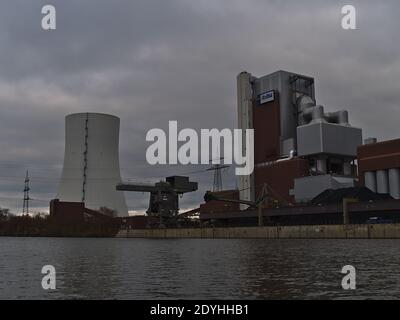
(26, 194)
(217, 168)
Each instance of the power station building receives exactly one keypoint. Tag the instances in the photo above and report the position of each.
(306, 159)
(300, 149)
(91, 162)
(311, 166)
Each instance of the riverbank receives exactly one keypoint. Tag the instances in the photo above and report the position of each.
(45, 226)
(360, 231)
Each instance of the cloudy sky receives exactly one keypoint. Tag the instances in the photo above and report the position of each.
(150, 61)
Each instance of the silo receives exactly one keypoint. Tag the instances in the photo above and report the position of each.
(370, 180)
(394, 182)
(382, 181)
(91, 162)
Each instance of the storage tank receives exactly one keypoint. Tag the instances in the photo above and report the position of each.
(91, 162)
(382, 181)
(370, 180)
(394, 182)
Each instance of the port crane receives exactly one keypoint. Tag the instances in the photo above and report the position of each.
(164, 195)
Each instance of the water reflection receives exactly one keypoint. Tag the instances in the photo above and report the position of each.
(198, 269)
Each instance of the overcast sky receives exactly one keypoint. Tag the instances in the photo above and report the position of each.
(153, 61)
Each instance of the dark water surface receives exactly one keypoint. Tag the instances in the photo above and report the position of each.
(198, 269)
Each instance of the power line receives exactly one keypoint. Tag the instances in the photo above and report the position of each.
(19, 199)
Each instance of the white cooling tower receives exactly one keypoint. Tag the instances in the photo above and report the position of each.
(91, 162)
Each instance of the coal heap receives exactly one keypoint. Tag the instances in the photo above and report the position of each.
(361, 193)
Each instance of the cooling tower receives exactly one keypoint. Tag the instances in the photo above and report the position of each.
(91, 162)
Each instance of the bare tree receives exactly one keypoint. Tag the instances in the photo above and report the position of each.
(4, 214)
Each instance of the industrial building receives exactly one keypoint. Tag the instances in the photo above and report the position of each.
(311, 167)
(304, 154)
(379, 166)
(297, 143)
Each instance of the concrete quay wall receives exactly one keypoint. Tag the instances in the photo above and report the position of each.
(364, 231)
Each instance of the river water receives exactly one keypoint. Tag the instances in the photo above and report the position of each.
(198, 268)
